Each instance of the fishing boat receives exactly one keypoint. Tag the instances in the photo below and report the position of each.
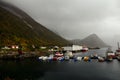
(110, 53)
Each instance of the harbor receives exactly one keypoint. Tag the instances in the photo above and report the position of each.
(67, 54)
(32, 69)
(59, 40)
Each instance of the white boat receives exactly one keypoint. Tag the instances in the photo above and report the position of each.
(66, 58)
(101, 59)
(78, 58)
(43, 58)
(40, 58)
(49, 58)
(69, 53)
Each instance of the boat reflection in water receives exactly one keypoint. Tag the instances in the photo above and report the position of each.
(56, 70)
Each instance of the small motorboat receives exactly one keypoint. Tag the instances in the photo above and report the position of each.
(70, 54)
(58, 54)
(60, 58)
(55, 58)
(118, 57)
(117, 53)
(49, 58)
(43, 58)
(94, 56)
(109, 58)
(86, 58)
(40, 58)
(79, 58)
(67, 58)
(101, 59)
(84, 49)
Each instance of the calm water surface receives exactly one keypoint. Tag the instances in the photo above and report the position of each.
(67, 70)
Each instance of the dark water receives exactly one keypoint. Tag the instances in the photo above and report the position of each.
(67, 70)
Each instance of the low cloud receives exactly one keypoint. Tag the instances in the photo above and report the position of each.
(75, 19)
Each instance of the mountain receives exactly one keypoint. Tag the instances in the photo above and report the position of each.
(75, 41)
(17, 27)
(92, 41)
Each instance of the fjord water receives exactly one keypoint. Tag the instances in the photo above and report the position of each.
(66, 70)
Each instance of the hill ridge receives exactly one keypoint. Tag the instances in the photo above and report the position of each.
(23, 29)
(91, 41)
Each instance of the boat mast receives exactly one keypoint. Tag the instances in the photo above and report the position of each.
(118, 45)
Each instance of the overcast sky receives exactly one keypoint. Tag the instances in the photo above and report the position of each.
(76, 19)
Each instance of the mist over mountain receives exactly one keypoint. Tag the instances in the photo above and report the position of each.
(16, 27)
(91, 41)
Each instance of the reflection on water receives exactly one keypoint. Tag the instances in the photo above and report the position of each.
(100, 52)
(67, 70)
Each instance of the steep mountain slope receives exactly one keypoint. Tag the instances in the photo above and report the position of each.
(16, 27)
(75, 41)
(91, 41)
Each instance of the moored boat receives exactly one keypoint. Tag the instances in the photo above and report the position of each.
(109, 58)
(79, 58)
(50, 57)
(58, 54)
(55, 58)
(86, 58)
(101, 59)
(94, 56)
(60, 58)
(118, 57)
(67, 58)
(117, 53)
(110, 53)
(84, 49)
(43, 58)
(69, 54)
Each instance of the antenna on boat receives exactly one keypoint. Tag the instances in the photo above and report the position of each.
(118, 45)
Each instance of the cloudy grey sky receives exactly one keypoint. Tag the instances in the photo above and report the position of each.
(76, 19)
